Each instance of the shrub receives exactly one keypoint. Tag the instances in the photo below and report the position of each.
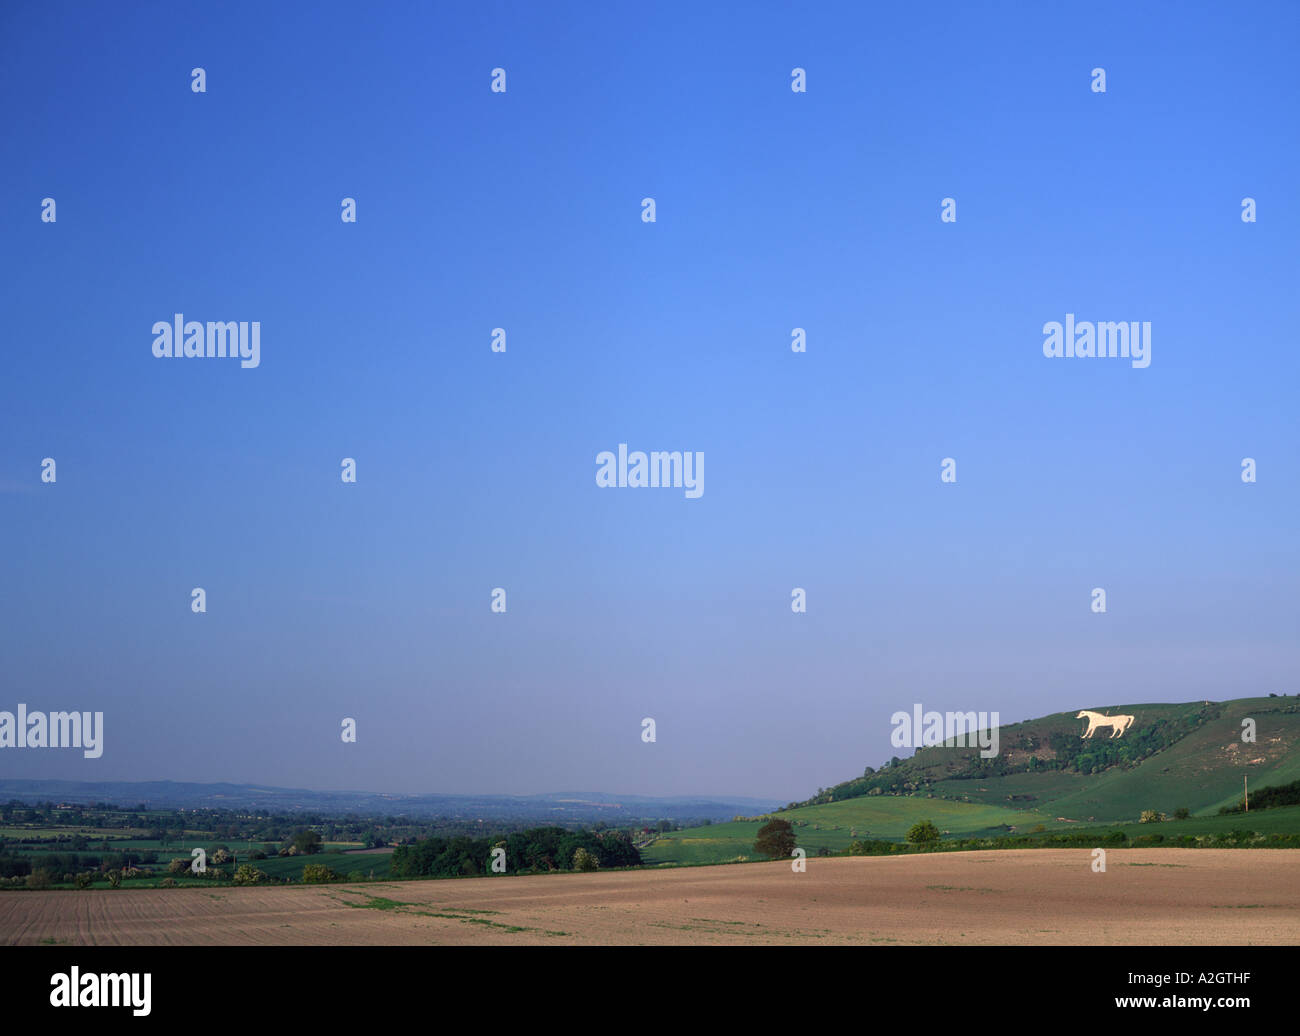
(115, 879)
(1263, 798)
(318, 874)
(39, 879)
(84, 880)
(1151, 816)
(870, 847)
(169, 883)
(1182, 813)
(923, 833)
(584, 861)
(247, 874)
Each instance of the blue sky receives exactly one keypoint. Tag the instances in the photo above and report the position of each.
(522, 210)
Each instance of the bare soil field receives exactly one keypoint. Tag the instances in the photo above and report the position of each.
(1036, 896)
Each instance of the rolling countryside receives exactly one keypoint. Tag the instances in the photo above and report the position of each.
(1046, 779)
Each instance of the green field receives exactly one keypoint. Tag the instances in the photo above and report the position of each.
(334, 855)
(1283, 820)
(277, 867)
(733, 842)
(343, 863)
(834, 825)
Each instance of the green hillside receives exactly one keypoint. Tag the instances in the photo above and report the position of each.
(1173, 756)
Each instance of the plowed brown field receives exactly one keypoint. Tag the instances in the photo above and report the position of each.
(1043, 896)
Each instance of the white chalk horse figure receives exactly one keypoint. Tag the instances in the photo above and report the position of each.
(1118, 724)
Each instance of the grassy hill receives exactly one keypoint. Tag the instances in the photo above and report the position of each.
(1187, 755)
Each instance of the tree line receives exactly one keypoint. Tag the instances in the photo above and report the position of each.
(536, 850)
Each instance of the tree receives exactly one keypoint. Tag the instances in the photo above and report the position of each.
(584, 861)
(922, 833)
(306, 840)
(1182, 813)
(775, 839)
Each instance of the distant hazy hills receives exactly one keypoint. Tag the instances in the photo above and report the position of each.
(560, 807)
